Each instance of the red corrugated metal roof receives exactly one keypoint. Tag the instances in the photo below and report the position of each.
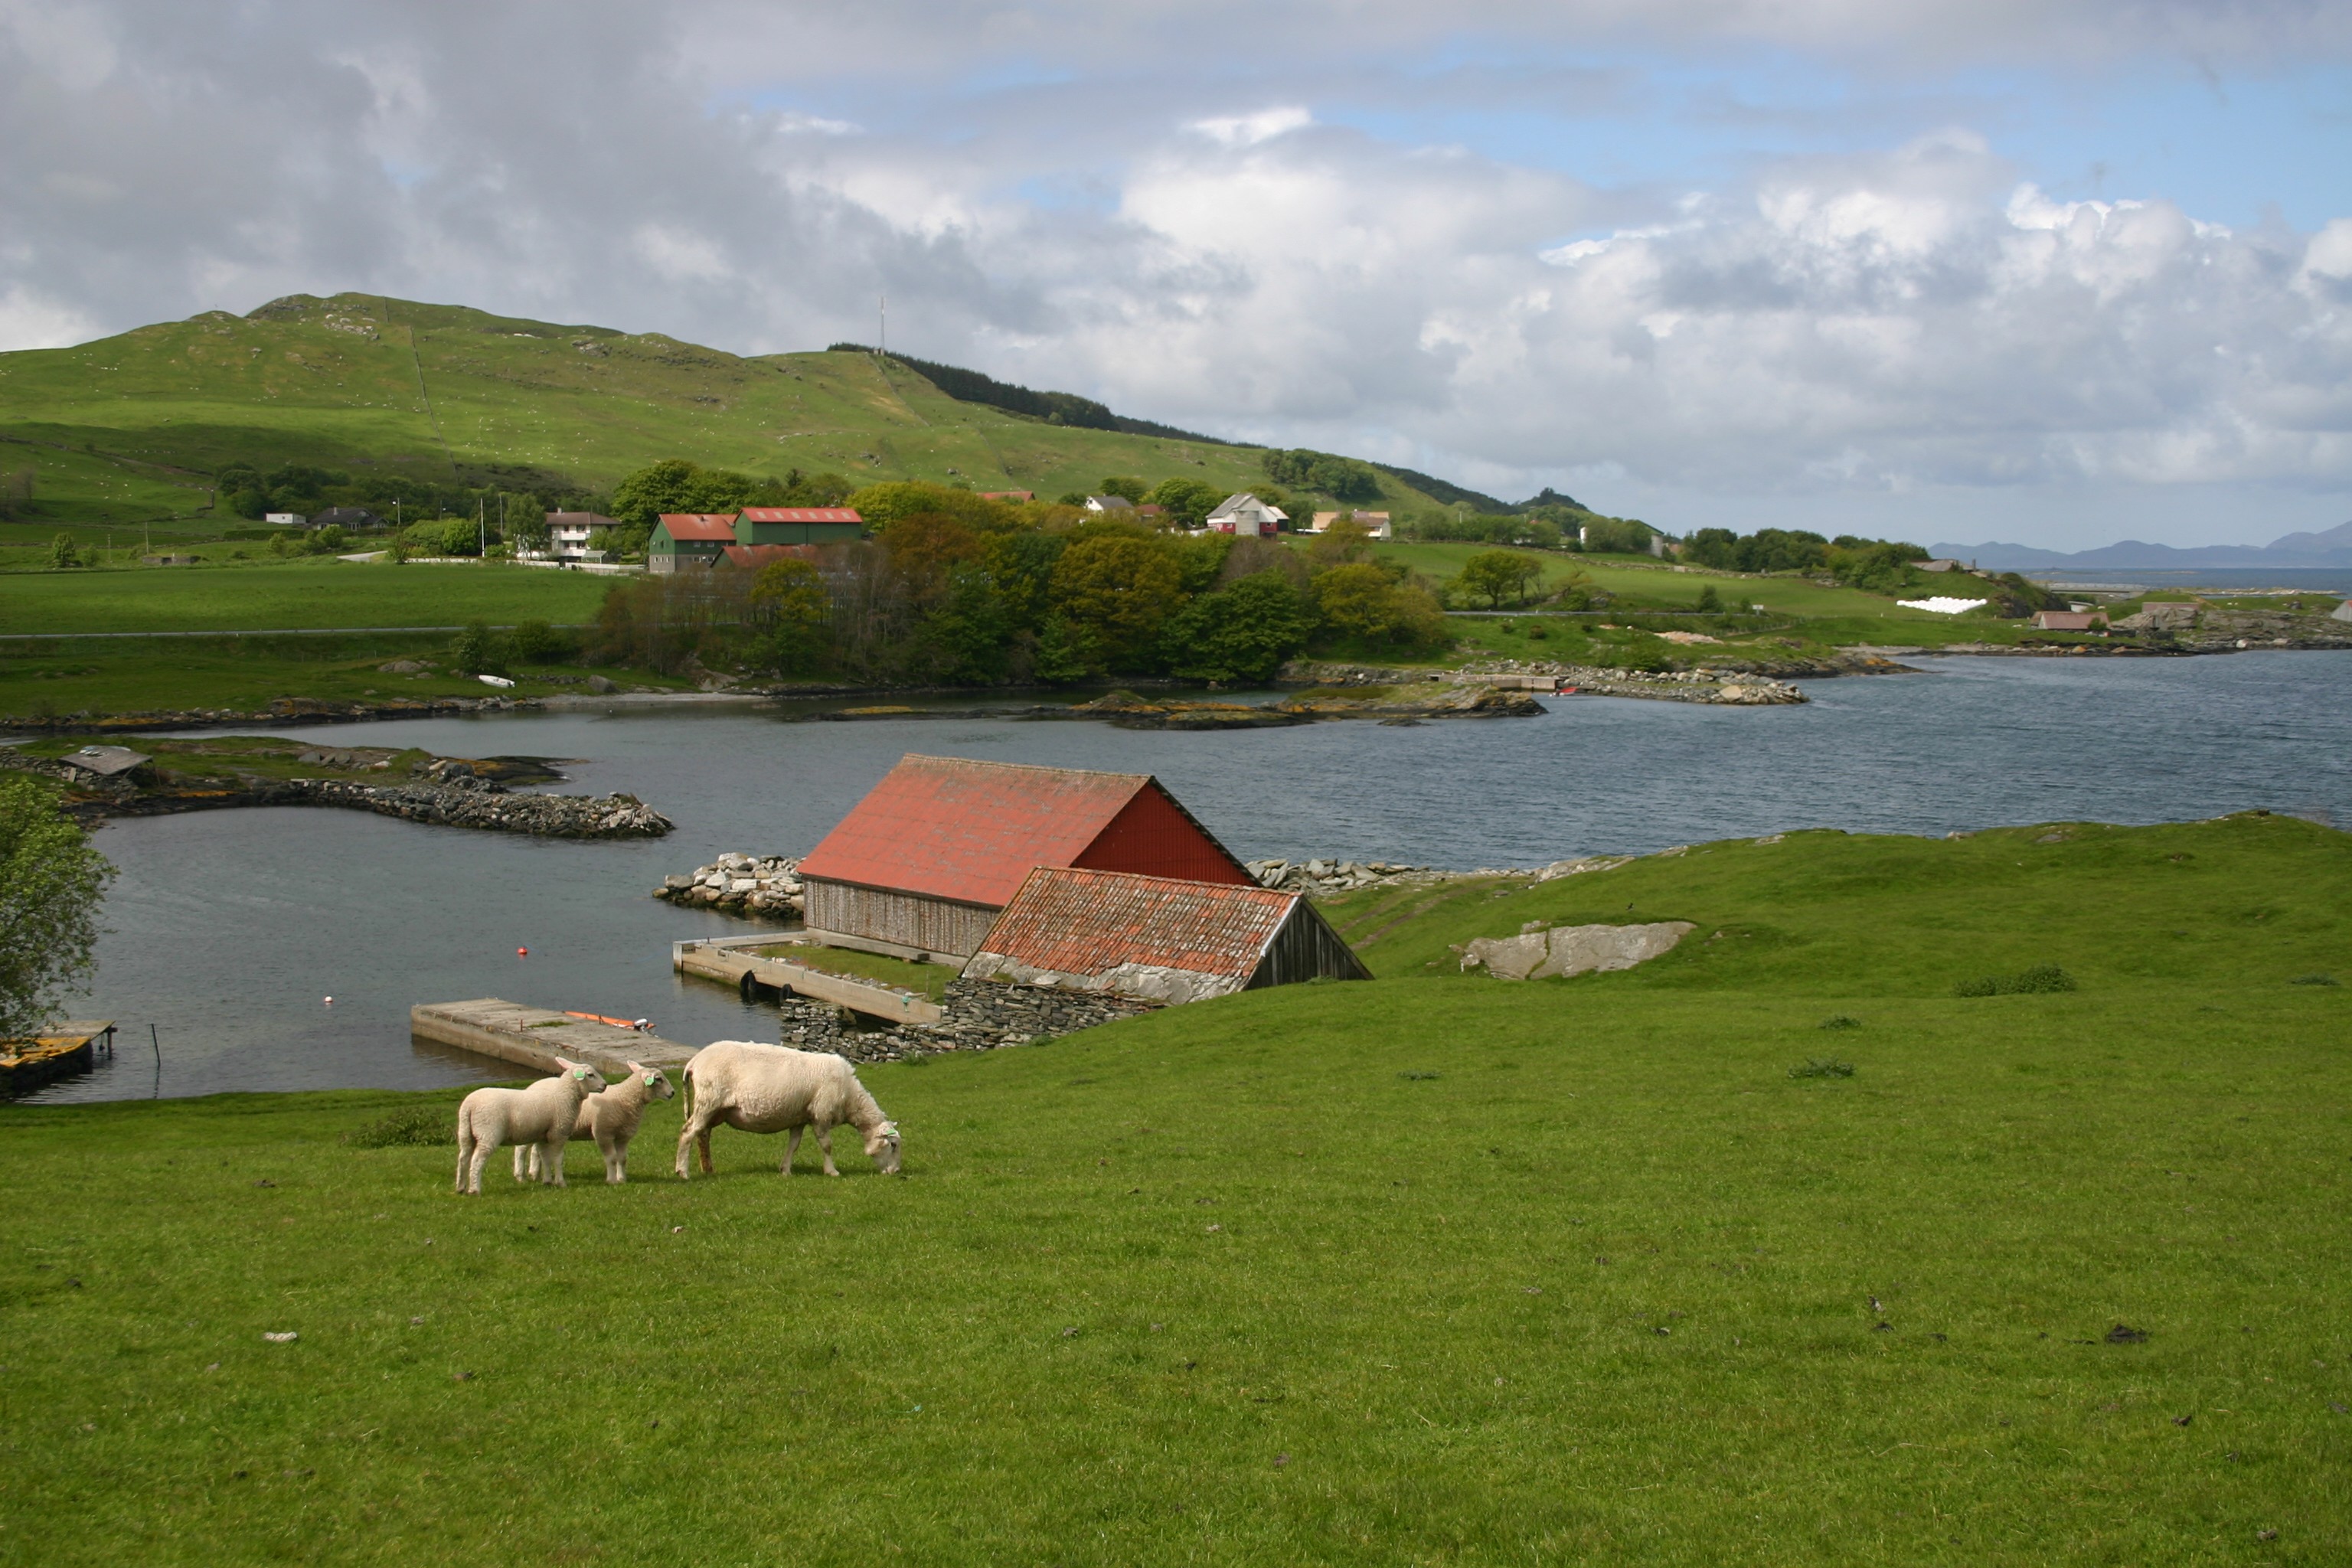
(948, 827)
(702, 526)
(1085, 923)
(801, 514)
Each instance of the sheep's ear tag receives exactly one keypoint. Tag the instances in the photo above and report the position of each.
(581, 1073)
(650, 1078)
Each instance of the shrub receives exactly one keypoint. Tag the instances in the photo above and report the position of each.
(411, 1126)
(1819, 1068)
(478, 650)
(2040, 979)
(536, 642)
(1841, 1021)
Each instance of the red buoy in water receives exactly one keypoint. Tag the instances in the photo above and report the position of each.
(522, 953)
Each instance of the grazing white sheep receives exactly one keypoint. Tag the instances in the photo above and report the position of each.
(610, 1118)
(771, 1089)
(542, 1114)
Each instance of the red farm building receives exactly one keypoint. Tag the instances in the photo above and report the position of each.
(1157, 938)
(926, 860)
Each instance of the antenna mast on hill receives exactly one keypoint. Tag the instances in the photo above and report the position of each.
(882, 326)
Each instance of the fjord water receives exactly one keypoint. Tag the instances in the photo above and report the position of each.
(229, 929)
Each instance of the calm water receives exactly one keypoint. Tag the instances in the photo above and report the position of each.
(230, 928)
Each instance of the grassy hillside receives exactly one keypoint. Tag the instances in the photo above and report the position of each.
(131, 426)
(1436, 1269)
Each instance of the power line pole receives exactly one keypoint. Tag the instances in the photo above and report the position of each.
(882, 332)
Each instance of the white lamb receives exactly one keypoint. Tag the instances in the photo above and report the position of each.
(542, 1114)
(771, 1089)
(610, 1118)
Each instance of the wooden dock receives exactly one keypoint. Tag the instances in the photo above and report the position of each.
(724, 959)
(69, 1047)
(534, 1036)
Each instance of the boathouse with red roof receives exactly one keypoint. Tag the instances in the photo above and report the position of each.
(924, 864)
(1157, 938)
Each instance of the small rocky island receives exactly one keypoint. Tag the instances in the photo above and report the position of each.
(164, 776)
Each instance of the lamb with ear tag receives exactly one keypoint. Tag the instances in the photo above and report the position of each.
(610, 1117)
(543, 1116)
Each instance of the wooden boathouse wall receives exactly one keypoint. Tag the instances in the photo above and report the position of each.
(1306, 948)
(943, 926)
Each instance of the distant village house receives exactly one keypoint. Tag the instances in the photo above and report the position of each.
(1375, 524)
(1243, 513)
(2070, 620)
(682, 540)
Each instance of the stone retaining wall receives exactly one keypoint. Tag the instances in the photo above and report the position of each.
(982, 1015)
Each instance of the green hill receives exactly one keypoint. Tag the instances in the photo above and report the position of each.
(132, 427)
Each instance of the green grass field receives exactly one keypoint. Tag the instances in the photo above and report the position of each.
(1432, 1269)
(273, 596)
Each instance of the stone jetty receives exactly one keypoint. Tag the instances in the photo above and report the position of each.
(750, 886)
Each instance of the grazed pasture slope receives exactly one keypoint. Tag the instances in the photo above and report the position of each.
(1434, 1268)
(443, 391)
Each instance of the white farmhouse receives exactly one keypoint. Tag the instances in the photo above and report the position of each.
(1245, 514)
(567, 534)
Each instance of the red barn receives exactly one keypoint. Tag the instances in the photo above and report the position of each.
(926, 860)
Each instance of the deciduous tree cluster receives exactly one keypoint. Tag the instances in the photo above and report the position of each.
(954, 589)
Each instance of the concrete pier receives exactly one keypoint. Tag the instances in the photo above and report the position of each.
(534, 1036)
(724, 959)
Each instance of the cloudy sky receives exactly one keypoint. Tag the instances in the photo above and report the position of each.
(2058, 271)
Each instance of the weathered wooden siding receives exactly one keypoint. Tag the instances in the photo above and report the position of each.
(1305, 948)
(910, 920)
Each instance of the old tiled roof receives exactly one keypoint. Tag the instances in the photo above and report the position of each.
(801, 514)
(703, 527)
(948, 827)
(1083, 923)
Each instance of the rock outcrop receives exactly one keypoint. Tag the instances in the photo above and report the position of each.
(1573, 950)
(744, 884)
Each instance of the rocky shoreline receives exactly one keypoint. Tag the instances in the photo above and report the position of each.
(447, 793)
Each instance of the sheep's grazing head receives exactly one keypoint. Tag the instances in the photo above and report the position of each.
(882, 1146)
(591, 1081)
(657, 1082)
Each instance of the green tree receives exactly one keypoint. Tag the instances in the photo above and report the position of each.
(883, 505)
(62, 553)
(1021, 567)
(790, 601)
(1189, 502)
(51, 884)
(1122, 485)
(1709, 600)
(1241, 634)
(536, 642)
(677, 485)
(1362, 601)
(1491, 574)
(1116, 590)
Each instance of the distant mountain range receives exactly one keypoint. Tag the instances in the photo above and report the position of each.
(2332, 548)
